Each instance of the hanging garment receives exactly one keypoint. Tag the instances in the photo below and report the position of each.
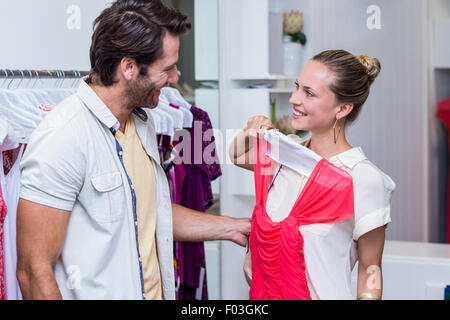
(11, 196)
(278, 267)
(166, 151)
(176, 114)
(2, 265)
(9, 169)
(197, 174)
(175, 98)
(443, 113)
(21, 112)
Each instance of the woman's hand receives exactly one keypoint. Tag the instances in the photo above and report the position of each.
(241, 150)
(257, 126)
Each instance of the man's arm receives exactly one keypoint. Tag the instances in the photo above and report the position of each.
(190, 225)
(41, 232)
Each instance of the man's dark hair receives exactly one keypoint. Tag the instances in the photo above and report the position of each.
(133, 29)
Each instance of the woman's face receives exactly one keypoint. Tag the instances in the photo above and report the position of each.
(315, 106)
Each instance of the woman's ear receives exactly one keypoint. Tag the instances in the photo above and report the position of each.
(345, 110)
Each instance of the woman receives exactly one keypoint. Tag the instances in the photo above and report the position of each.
(329, 95)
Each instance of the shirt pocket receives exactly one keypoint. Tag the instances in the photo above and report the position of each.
(321, 229)
(109, 197)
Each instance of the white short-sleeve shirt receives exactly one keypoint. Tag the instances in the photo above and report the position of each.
(74, 163)
(330, 249)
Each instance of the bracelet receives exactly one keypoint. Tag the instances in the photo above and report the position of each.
(368, 295)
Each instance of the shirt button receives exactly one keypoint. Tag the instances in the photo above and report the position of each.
(120, 153)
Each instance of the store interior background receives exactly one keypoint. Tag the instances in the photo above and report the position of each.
(229, 48)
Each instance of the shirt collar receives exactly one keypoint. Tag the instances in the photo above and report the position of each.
(350, 158)
(99, 108)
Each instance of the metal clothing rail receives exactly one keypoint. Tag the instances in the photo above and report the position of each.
(42, 74)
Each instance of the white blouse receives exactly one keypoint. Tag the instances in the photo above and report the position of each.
(330, 249)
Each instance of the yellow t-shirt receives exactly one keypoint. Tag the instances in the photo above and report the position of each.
(141, 172)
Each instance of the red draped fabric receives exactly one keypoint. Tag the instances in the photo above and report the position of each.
(278, 266)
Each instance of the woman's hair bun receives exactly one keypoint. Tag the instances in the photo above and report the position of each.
(372, 65)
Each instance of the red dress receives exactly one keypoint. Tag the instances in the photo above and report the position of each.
(278, 266)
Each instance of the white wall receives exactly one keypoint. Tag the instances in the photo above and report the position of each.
(393, 125)
(393, 128)
(34, 34)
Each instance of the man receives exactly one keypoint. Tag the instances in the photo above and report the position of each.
(94, 218)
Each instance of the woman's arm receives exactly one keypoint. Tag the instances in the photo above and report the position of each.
(241, 150)
(370, 252)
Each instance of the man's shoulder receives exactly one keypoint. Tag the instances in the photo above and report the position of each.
(65, 121)
(66, 111)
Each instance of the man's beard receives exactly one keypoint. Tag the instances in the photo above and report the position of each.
(141, 93)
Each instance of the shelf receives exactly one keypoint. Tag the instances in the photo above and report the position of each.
(281, 90)
(263, 77)
(269, 90)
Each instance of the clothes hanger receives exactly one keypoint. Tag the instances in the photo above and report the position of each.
(172, 98)
(37, 79)
(177, 115)
(166, 122)
(12, 79)
(29, 81)
(175, 97)
(6, 77)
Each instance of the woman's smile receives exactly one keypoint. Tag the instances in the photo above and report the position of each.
(298, 114)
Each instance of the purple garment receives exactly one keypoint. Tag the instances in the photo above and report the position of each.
(203, 150)
(191, 255)
(165, 150)
(193, 190)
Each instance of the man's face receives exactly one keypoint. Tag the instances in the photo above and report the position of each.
(144, 91)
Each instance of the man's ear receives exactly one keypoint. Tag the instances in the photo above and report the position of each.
(345, 110)
(128, 68)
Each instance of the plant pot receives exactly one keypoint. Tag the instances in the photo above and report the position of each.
(292, 58)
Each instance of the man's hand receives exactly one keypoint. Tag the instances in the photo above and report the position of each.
(238, 230)
(190, 225)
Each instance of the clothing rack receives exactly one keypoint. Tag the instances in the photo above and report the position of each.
(42, 74)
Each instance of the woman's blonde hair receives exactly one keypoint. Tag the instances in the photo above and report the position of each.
(353, 77)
